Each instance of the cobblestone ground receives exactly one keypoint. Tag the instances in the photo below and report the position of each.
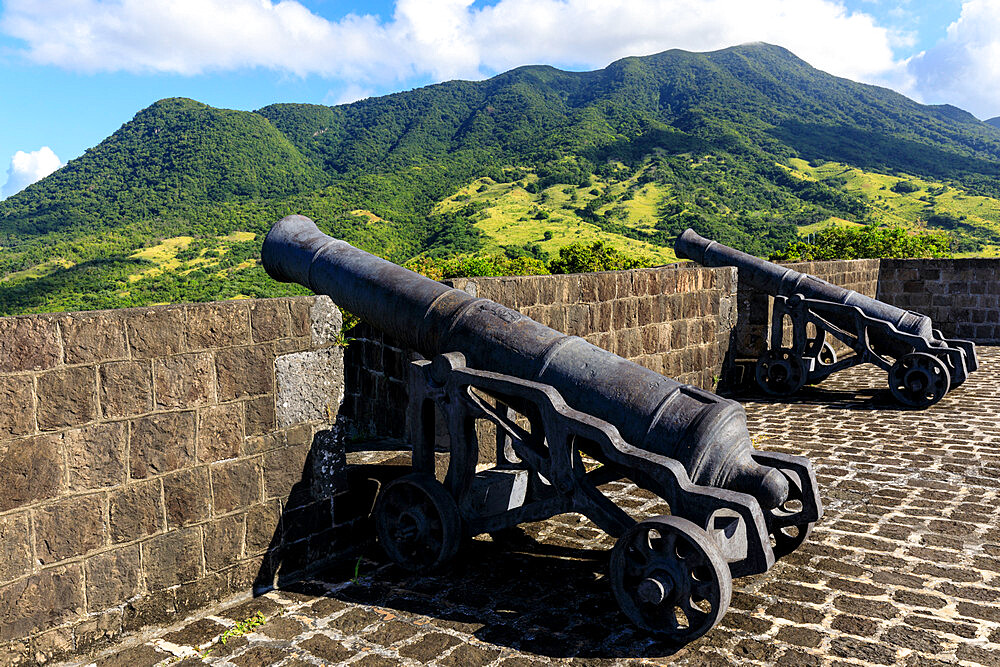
(903, 569)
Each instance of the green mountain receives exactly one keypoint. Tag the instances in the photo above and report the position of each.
(995, 121)
(746, 145)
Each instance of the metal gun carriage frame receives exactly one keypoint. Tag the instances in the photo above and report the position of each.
(922, 364)
(918, 378)
(671, 575)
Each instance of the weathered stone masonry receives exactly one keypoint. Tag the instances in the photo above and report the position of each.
(149, 448)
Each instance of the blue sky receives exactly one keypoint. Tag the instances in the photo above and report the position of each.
(73, 71)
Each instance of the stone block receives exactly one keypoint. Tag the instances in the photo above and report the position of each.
(90, 337)
(325, 321)
(67, 397)
(245, 371)
(650, 339)
(284, 469)
(172, 558)
(42, 601)
(629, 343)
(30, 469)
(68, 528)
(220, 432)
(28, 344)
(184, 381)
(218, 324)
(577, 320)
(224, 539)
(263, 522)
(269, 319)
(644, 310)
(97, 631)
(136, 511)
(95, 456)
(112, 578)
(52, 645)
(15, 556)
(156, 608)
(310, 386)
(187, 497)
(235, 485)
(126, 388)
(301, 313)
(196, 596)
(17, 405)
(263, 443)
(260, 415)
(156, 332)
(161, 443)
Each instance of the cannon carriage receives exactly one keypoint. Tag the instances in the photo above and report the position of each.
(569, 417)
(922, 365)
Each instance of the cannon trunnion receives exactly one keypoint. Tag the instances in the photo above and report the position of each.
(922, 364)
(569, 418)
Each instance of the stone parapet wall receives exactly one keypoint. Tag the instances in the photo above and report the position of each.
(151, 460)
(675, 319)
(961, 296)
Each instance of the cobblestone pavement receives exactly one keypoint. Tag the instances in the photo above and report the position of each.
(903, 569)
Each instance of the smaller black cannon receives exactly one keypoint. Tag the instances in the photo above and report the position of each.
(569, 418)
(922, 364)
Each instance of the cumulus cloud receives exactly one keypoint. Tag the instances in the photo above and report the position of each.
(436, 38)
(26, 168)
(964, 68)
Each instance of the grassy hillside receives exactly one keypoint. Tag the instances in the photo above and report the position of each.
(748, 145)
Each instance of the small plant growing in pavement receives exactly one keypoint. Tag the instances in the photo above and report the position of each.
(243, 627)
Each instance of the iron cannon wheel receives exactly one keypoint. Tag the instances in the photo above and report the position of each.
(417, 523)
(787, 536)
(919, 380)
(670, 578)
(780, 372)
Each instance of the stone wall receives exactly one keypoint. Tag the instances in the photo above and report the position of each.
(155, 459)
(961, 296)
(675, 320)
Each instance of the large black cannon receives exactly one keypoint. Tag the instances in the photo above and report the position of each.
(569, 417)
(921, 363)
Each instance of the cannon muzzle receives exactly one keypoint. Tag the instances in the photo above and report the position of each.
(705, 433)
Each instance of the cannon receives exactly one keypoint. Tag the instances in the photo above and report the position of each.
(569, 419)
(922, 364)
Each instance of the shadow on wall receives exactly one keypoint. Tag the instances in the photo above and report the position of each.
(326, 516)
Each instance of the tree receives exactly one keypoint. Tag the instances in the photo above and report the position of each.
(582, 257)
(868, 242)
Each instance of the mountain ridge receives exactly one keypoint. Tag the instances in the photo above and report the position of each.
(711, 133)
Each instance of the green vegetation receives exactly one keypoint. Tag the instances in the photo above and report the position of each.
(868, 242)
(584, 258)
(748, 145)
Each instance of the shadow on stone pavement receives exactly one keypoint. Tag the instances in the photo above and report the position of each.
(513, 591)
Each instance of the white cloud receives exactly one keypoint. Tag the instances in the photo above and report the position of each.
(350, 93)
(437, 38)
(26, 168)
(964, 68)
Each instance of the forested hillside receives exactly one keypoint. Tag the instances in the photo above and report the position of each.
(748, 145)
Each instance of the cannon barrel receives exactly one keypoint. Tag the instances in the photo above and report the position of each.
(707, 434)
(781, 281)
